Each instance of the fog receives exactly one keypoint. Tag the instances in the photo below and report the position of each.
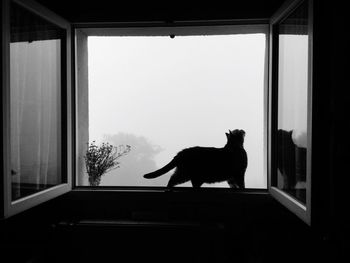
(160, 95)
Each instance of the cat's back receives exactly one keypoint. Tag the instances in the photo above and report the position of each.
(199, 154)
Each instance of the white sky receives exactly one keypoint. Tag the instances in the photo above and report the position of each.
(161, 95)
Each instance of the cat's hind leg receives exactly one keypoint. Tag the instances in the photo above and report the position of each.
(172, 182)
(175, 179)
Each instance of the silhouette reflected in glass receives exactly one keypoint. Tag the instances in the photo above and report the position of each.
(291, 163)
(208, 164)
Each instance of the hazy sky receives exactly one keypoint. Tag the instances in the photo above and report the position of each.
(161, 95)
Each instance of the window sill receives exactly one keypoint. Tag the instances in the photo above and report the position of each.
(160, 204)
(140, 189)
(153, 196)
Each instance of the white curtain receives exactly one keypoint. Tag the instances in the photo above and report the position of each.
(35, 82)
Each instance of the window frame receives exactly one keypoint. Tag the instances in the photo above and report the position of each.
(303, 211)
(13, 207)
(9, 208)
(167, 29)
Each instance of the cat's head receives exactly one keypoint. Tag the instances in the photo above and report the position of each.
(235, 137)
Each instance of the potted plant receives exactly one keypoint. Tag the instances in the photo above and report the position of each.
(102, 159)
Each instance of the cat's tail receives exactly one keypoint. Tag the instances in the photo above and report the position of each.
(162, 170)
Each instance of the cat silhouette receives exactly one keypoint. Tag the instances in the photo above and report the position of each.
(208, 164)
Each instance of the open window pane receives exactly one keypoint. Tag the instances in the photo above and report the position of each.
(35, 102)
(293, 103)
(160, 95)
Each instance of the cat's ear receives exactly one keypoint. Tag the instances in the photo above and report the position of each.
(227, 135)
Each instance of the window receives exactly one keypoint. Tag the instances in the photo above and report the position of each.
(35, 99)
(291, 108)
(161, 94)
(193, 108)
(36, 109)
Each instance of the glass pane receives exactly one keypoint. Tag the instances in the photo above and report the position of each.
(160, 95)
(35, 91)
(292, 103)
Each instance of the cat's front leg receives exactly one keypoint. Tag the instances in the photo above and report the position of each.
(236, 183)
(232, 184)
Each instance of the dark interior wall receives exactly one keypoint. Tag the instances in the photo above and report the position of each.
(1, 105)
(129, 11)
(339, 136)
(220, 227)
(330, 139)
